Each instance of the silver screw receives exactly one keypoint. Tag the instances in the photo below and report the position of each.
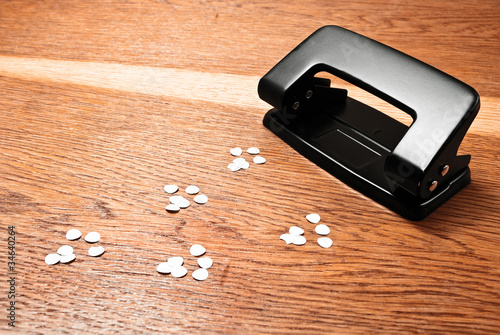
(296, 105)
(309, 94)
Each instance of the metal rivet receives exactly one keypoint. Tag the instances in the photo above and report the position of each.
(309, 94)
(433, 186)
(296, 105)
(445, 170)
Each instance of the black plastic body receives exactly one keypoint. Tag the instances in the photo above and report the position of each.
(373, 153)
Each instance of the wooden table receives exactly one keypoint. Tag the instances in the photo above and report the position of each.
(104, 102)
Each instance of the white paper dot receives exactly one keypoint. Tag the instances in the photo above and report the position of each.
(296, 231)
(175, 261)
(192, 189)
(172, 208)
(73, 234)
(200, 274)
(184, 203)
(253, 151)
(325, 242)
(179, 271)
(68, 258)
(197, 250)
(313, 218)
(288, 238)
(245, 165)
(65, 250)
(96, 251)
(175, 199)
(164, 268)
(52, 259)
(259, 160)
(201, 199)
(171, 189)
(179, 201)
(233, 167)
(205, 262)
(236, 151)
(240, 162)
(92, 237)
(299, 240)
(322, 229)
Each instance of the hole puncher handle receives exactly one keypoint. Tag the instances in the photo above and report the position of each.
(442, 106)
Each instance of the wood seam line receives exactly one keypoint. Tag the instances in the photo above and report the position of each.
(227, 89)
(181, 84)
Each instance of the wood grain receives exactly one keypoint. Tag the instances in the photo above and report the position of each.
(104, 102)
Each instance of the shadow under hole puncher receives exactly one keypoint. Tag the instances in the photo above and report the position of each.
(410, 170)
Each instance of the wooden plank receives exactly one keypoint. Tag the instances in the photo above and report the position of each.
(103, 103)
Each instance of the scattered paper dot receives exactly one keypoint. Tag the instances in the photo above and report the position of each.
(192, 189)
(179, 271)
(325, 242)
(175, 199)
(233, 167)
(313, 218)
(240, 162)
(171, 189)
(172, 208)
(259, 160)
(184, 203)
(322, 229)
(164, 268)
(201, 199)
(205, 262)
(197, 250)
(52, 259)
(92, 237)
(179, 201)
(175, 261)
(296, 231)
(299, 240)
(253, 151)
(65, 250)
(236, 151)
(200, 274)
(288, 238)
(73, 234)
(68, 258)
(244, 165)
(96, 251)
